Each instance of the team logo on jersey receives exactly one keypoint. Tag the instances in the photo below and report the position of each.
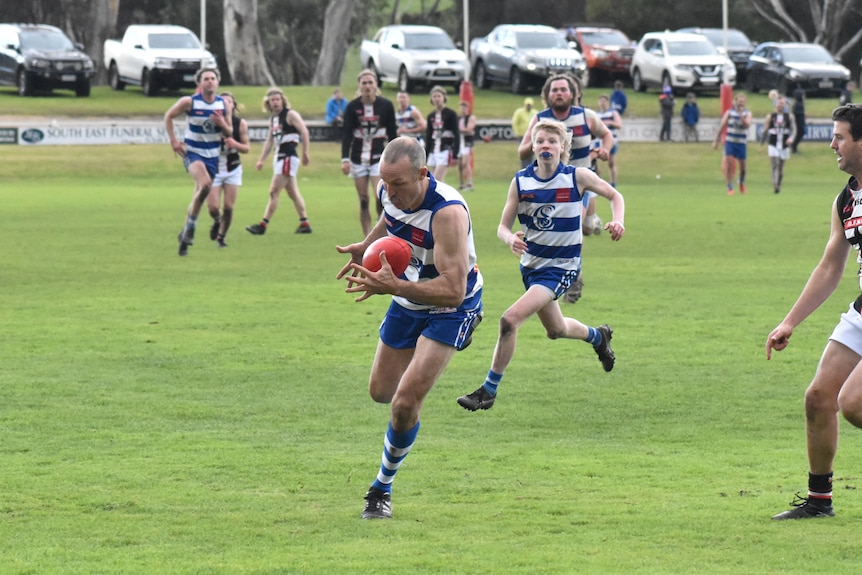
(543, 218)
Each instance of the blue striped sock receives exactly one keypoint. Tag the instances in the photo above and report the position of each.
(594, 336)
(396, 446)
(492, 381)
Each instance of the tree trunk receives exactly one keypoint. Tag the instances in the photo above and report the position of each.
(242, 45)
(103, 25)
(333, 46)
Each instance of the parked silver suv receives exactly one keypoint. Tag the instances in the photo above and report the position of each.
(685, 62)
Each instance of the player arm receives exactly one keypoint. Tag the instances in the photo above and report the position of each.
(296, 121)
(589, 180)
(525, 148)
(821, 284)
(767, 124)
(241, 145)
(182, 106)
(451, 257)
(515, 240)
(825, 277)
(721, 126)
(421, 124)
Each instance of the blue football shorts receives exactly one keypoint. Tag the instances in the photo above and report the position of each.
(555, 280)
(402, 327)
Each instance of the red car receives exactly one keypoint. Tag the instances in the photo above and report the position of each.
(608, 52)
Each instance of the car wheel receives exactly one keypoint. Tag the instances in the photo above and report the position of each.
(82, 89)
(148, 84)
(404, 83)
(25, 83)
(114, 77)
(637, 81)
(517, 81)
(481, 76)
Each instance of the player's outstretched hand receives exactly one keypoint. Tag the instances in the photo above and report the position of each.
(615, 229)
(777, 340)
(371, 283)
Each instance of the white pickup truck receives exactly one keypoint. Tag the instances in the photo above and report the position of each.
(155, 56)
(408, 55)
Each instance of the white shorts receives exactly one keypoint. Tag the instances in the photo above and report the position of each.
(360, 171)
(465, 152)
(288, 166)
(439, 158)
(233, 178)
(849, 330)
(776, 152)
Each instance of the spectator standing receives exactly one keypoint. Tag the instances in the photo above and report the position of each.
(666, 105)
(619, 102)
(336, 106)
(846, 96)
(798, 118)
(521, 123)
(690, 117)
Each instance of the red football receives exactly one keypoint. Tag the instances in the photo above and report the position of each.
(397, 251)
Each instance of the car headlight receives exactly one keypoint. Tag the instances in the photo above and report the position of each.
(599, 53)
(684, 67)
(163, 62)
(40, 63)
(795, 74)
(88, 64)
(210, 63)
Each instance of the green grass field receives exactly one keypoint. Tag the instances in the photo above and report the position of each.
(209, 414)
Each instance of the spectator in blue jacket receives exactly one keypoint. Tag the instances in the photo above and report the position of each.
(619, 102)
(690, 116)
(336, 106)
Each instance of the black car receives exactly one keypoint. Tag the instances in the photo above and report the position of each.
(37, 57)
(787, 66)
(739, 47)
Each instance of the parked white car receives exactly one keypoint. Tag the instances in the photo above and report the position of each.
(685, 62)
(155, 56)
(408, 55)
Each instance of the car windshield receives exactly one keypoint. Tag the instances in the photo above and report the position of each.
(809, 54)
(428, 41)
(606, 38)
(735, 38)
(173, 41)
(45, 40)
(541, 40)
(690, 48)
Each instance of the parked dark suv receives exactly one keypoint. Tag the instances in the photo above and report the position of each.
(37, 57)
